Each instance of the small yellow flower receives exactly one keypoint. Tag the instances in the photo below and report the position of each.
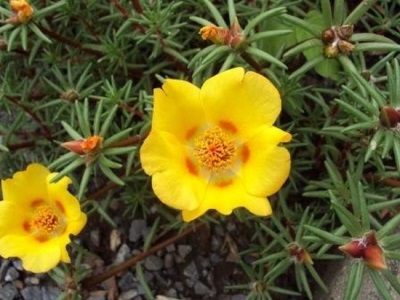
(23, 10)
(232, 37)
(215, 147)
(37, 218)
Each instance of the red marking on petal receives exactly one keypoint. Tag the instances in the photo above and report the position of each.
(245, 155)
(228, 126)
(36, 203)
(26, 226)
(41, 238)
(191, 167)
(60, 206)
(190, 133)
(224, 184)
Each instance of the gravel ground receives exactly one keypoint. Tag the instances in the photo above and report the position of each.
(198, 266)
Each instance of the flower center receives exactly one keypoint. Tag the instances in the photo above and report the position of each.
(46, 221)
(215, 150)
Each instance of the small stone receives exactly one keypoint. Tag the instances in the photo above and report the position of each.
(32, 293)
(8, 291)
(168, 260)
(31, 280)
(184, 250)
(128, 295)
(214, 258)
(126, 282)
(17, 264)
(50, 293)
(178, 285)
(171, 248)
(191, 271)
(137, 230)
(11, 274)
(122, 254)
(97, 297)
(201, 289)
(115, 239)
(95, 237)
(171, 293)
(153, 263)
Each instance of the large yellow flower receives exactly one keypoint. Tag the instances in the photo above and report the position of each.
(37, 217)
(215, 147)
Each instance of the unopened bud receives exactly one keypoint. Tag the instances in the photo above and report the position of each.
(345, 47)
(331, 51)
(389, 117)
(328, 36)
(299, 254)
(373, 256)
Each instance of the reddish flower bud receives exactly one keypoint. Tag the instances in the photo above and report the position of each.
(86, 146)
(328, 36)
(299, 254)
(389, 117)
(23, 12)
(373, 256)
(354, 248)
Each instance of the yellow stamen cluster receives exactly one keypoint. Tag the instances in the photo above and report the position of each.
(215, 150)
(46, 221)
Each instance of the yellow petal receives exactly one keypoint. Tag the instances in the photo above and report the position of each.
(36, 257)
(177, 108)
(225, 198)
(176, 180)
(267, 166)
(160, 151)
(76, 224)
(58, 193)
(26, 186)
(11, 222)
(244, 101)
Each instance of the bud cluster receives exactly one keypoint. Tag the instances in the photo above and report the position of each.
(336, 40)
(368, 249)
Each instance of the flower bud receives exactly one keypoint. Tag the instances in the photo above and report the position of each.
(70, 95)
(328, 36)
(299, 254)
(345, 47)
(87, 146)
(214, 34)
(23, 11)
(344, 32)
(331, 51)
(389, 117)
(373, 256)
(354, 248)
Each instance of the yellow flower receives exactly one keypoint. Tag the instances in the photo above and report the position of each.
(23, 10)
(215, 147)
(213, 33)
(37, 218)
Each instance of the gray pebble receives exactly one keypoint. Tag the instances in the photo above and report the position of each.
(95, 237)
(171, 293)
(171, 248)
(137, 230)
(50, 293)
(184, 250)
(191, 271)
(97, 297)
(126, 282)
(239, 297)
(168, 260)
(201, 289)
(128, 295)
(11, 274)
(123, 253)
(153, 263)
(17, 264)
(178, 285)
(32, 293)
(8, 291)
(31, 280)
